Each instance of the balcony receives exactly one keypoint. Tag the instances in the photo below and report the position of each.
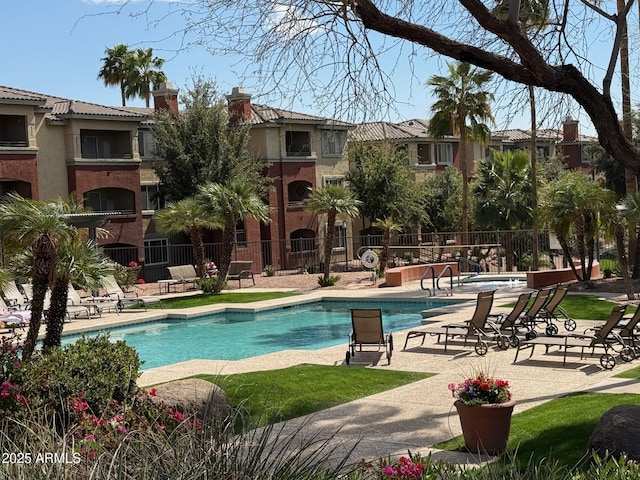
(111, 200)
(106, 144)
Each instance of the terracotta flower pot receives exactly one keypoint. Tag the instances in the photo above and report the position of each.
(485, 427)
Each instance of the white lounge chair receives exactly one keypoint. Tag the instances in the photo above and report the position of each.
(114, 292)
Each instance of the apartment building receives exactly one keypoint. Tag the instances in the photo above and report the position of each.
(54, 147)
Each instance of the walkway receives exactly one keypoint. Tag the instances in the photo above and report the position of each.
(414, 416)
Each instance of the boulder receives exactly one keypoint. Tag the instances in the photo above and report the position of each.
(205, 400)
(618, 432)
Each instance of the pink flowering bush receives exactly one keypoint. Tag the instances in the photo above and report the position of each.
(11, 396)
(403, 469)
(95, 434)
(481, 389)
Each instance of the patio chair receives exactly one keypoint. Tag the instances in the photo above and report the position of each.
(9, 313)
(183, 275)
(475, 328)
(13, 296)
(74, 300)
(534, 310)
(114, 292)
(513, 321)
(367, 331)
(552, 311)
(239, 270)
(603, 336)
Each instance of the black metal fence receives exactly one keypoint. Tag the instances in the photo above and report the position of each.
(490, 252)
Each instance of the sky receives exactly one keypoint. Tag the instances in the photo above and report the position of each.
(56, 48)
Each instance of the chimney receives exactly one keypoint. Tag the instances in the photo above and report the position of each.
(239, 105)
(569, 130)
(165, 97)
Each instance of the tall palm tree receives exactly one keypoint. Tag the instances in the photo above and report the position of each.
(116, 69)
(502, 193)
(188, 216)
(331, 200)
(30, 225)
(78, 262)
(144, 74)
(463, 102)
(228, 204)
(533, 14)
(388, 226)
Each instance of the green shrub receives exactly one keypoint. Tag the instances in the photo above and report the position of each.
(270, 270)
(208, 284)
(98, 369)
(332, 280)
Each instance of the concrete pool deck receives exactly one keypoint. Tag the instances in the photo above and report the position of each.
(412, 417)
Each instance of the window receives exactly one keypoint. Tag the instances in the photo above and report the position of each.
(151, 198)
(156, 251)
(444, 152)
(298, 144)
(339, 237)
(298, 192)
(90, 147)
(332, 142)
(424, 154)
(241, 235)
(13, 131)
(333, 180)
(587, 151)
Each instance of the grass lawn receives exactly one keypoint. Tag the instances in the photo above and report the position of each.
(212, 299)
(276, 395)
(585, 307)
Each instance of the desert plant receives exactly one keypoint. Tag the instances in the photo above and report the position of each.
(210, 284)
(270, 270)
(328, 282)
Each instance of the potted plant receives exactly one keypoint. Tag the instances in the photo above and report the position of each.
(484, 405)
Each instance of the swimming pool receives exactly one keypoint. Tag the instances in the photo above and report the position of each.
(237, 335)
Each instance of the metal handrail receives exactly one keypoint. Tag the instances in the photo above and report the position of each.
(433, 278)
(444, 270)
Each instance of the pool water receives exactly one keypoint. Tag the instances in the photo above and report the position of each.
(238, 335)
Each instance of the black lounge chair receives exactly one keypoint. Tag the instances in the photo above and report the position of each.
(367, 331)
(603, 336)
(476, 328)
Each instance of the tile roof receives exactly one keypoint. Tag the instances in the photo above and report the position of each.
(519, 135)
(59, 108)
(377, 131)
(266, 115)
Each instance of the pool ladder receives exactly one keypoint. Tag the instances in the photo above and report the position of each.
(436, 281)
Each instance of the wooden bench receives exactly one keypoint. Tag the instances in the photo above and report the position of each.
(240, 269)
(183, 275)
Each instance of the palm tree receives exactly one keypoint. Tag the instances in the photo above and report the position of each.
(188, 216)
(116, 68)
(572, 206)
(533, 14)
(502, 195)
(463, 103)
(228, 204)
(39, 227)
(331, 200)
(388, 225)
(78, 262)
(144, 74)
